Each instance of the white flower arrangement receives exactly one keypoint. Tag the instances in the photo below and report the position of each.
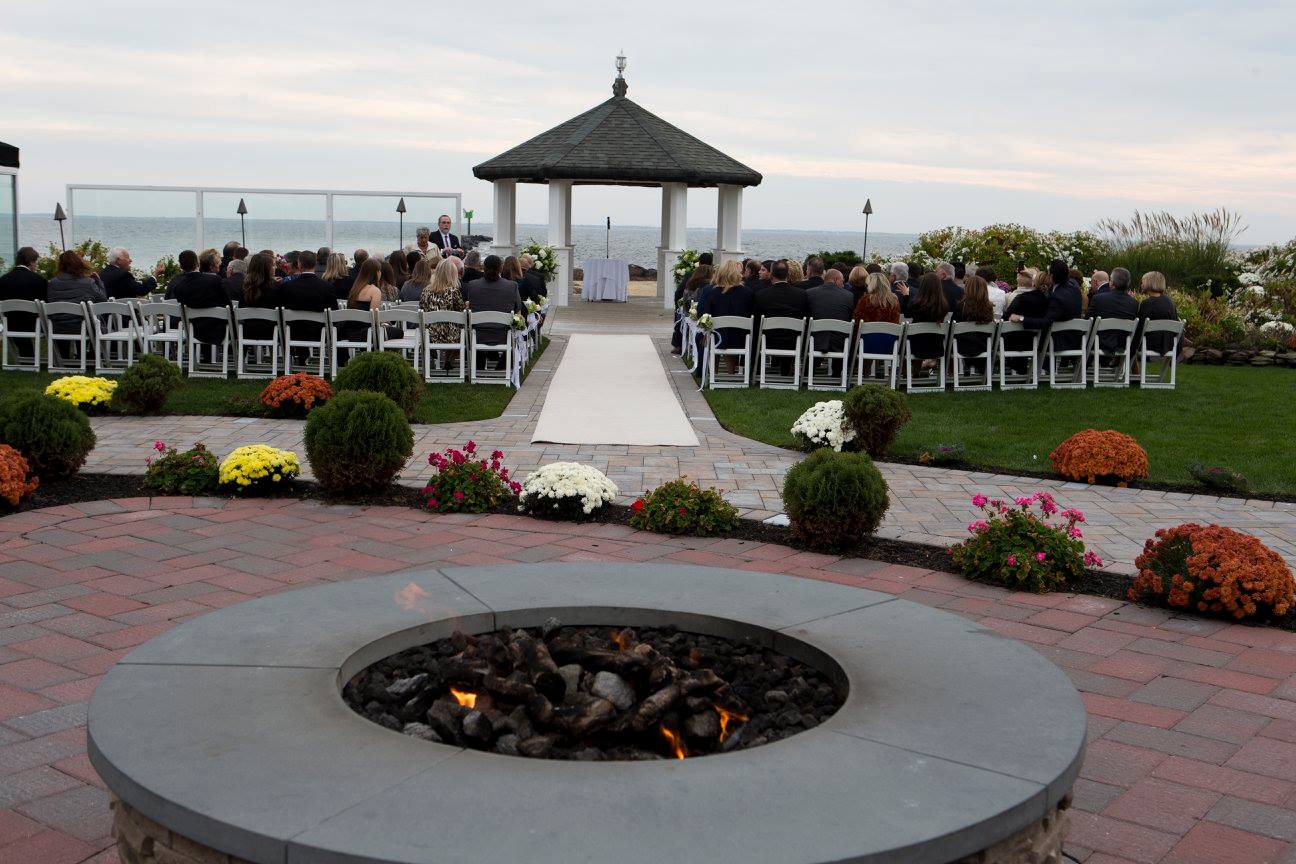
(686, 263)
(517, 322)
(545, 258)
(531, 306)
(824, 425)
(693, 312)
(549, 486)
(706, 322)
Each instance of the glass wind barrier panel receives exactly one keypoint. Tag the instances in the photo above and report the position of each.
(370, 222)
(282, 222)
(8, 221)
(150, 224)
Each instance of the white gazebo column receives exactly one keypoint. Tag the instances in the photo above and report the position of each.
(505, 242)
(729, 225)
(560, 238)
(674, 238)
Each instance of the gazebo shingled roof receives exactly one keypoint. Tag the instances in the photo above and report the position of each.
(618, 143)
(8, 155)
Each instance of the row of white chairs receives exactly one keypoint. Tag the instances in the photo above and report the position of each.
(1014, 356)
(109, 334)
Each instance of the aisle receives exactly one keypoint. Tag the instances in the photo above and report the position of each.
(612, 390)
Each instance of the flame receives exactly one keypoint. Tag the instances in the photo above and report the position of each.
(409, 598)
(726, 716)
(676, 742)
(464, 698)
(621, 639)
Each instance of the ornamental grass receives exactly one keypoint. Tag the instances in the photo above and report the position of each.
(16, 480)
(295, 395)
(257, 469)
(1213, 569)
(1105, 456)
(83, 391)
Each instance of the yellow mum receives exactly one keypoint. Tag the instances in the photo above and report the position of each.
(82, 390)
(246, 465)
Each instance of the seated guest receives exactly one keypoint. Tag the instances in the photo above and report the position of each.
(1099, 283)
(915, 273)
(472, 267)
(796, 274)
(845, 274)
(1156, 306)
(533, 282)
(1025, 283)
(953, 291)
(366, 294)
(442, 294)
(781, 299)
(24, 283)
(1029, 300)
(259, 290)
(412, 290)
(321, 260)
(359, 257)
(387, 281)
(751, 273)
(492, 293)
(700, 278)
(308, 293)
(511, 270)
(766, 274)
(929, 306)
(118, 280)
(878, 303)
(975, 307)
(293, 260)
(1116, 301)
(898, 276)
(423, 241)
(200, 287)
(814, 272)
(1063, 305)
(729, 296)
(997, 295)
(74, 282)
(233, 282)
(337, 274)
(960, 274)
(399, 269)
(829, 301)
(411, 258)
(228, 251)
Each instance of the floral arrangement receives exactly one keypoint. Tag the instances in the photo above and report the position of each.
(467, 484)
(517, 322)
(685, 264)
(16, 480)
(565, 490)
(531, 306)
(1209, 568)
(1092, 456)
(1024, 550)
(94, 252)
(257, 467)
(943, 454)
(545, 258)
(83, 391)
(296, 394)
(693, 312)
(193, 472)
(680, 507)
(823, 425)
(706, 322)
(165, 270)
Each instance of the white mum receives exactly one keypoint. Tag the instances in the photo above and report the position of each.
(824, 424)
(1276, 329)
(559, 480)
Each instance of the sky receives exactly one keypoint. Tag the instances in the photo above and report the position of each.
(1052, 114)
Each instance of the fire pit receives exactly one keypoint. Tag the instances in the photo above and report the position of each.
(230, 735)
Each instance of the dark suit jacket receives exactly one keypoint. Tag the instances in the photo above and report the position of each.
(201, 291)
(532, 285)
(811, 282)
(833, 303)
(1112, 304)
(307, 293)
(23, 284)
(1031, 304)
(502, 295)
(435, 240)
(471, 274)
(781, 300)
(1063, 305)
(1154, 308)
(120, 283)
(234, 287)
(953, 293)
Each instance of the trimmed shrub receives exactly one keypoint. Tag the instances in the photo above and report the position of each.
(385, 373)
(51, 434)
(295, 395)
(943, 454)
(465, 483)
(16, 479)
(1094, 456)
(834, 500)
(1022, 550)
(680, 507)
(1220, 478)
(258, 469)
(357, 442)
(1209, 568)
(90, 394)
(876, 413)
(193, 472)
(146, 385)
(565, 490)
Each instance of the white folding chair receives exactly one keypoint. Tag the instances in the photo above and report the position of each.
(208, 368)
(311, 335)
(502, 349)
(336, 318)
(716, 379)
(258, 346)
(1169, 360)
(829, 326)
(1077, 358)
(77, 342)
(883, 361)
(964, 378)
(116, 335)
(162, 329)
(1118, 373)
(1011, 379)
(767, 355)
(31, 333)
(925, 384)
(438, 357)
(408, 324)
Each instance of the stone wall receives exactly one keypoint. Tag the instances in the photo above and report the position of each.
(1040, 843)
(140, 840)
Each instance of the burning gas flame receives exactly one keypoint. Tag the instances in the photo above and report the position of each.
(464, 698)
(726, 717)
(410, 598)
(621, 639)
(676, 742)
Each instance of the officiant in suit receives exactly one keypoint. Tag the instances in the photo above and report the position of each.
(443, 239)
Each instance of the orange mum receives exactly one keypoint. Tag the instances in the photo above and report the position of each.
(296, 394)
(1209, 568)
(1093, 455)
(16, 482)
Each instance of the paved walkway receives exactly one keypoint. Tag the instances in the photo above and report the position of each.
(1192, 754)
(928, 505)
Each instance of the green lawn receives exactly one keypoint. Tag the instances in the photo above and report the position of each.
(441, 403)
(1241, 417)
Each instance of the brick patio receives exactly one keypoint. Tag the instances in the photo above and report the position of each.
(1192, 755)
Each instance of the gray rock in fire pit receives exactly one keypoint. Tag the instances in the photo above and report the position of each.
(615, 689)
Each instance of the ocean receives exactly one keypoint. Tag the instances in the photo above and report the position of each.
(150, 238)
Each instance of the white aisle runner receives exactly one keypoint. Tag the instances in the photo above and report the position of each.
(612, 390)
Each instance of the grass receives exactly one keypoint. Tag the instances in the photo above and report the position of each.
(441, 403)
(1239, 417)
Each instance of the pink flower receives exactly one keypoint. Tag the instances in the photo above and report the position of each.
(432, 502)
(1048, 506)
(1023, 501)
(497, 454)
(159, 446)
(978, 526)
(471, 447)
(1012, 560)
(1074, 533)
(979, 500)
(1091, 559)
(1040, 556)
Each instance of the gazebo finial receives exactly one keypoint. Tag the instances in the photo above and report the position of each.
(619, 86)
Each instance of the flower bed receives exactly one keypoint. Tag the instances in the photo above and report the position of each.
(1023, 550)
(83, 391)
(257, 468)
(465, 483)
(565, 490)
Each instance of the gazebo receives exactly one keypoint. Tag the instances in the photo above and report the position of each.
(619, 143)
(8, 203)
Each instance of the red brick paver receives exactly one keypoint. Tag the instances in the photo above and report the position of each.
(1192, 722)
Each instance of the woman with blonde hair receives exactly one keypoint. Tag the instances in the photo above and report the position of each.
(877, 303)
(1156, 306)
(796, 275)
(442, 294)
(728, 295)
(336, 267)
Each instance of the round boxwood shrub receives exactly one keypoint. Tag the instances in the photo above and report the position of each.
(834, 500)
(146, 385)
(876, 413)
(357, 442)
(385, 373)
(51, 433)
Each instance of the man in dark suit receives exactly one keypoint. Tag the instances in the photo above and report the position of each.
(228, 253)
(118, 280)
(307, 293)
(235, 273)
(443, 239)
(953, 292)
(1099, 283)
(814, 273)
(1064, 305)
(533, 281)
(24, 283)
(781, 300)
(831, 301)
(492, 294)
(1118, 302)
(200, 287)
(472, 268)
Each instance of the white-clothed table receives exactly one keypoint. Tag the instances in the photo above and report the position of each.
(606, 279)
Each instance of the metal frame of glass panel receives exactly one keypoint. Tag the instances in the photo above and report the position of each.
(13, 226)
(200, 191)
